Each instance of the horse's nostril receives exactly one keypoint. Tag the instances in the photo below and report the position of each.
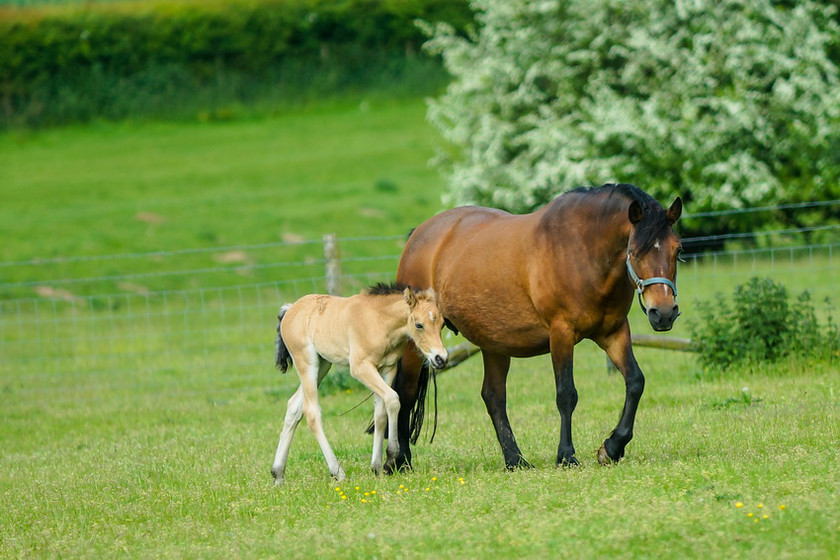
(439, 361)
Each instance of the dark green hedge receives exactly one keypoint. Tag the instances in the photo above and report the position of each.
(45, 51)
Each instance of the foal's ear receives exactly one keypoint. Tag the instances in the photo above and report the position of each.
(410, 297)
(674, 212)
(635, 213)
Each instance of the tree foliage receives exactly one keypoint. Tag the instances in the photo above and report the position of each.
(729, 103)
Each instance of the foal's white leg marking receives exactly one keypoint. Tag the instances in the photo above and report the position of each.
(294, 412)
(309, 377)
(379, 420)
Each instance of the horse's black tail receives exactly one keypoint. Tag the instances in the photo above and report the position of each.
(282, 358)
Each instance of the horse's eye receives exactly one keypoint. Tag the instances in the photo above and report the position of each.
(418, 326)
(680, 257)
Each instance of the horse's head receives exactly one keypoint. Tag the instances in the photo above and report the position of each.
(425, 322)
(652, 253)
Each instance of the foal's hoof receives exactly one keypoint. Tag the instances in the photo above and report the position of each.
(278, 477)
(604, 457)
(402, 463)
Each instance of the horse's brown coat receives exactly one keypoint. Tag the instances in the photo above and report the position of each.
(523, 285)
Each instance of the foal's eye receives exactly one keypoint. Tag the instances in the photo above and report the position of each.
(680, 257)
(418, 326)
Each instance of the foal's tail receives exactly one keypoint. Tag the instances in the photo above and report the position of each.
(282, 358)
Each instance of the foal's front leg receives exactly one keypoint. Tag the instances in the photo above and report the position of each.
(386, 406)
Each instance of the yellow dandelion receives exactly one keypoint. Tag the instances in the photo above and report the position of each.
(357, 487)
(367, 493)
(434, 479)
(364, 501)
(739, 505)
(401, 486)
(765, 516)
(373, 492)
(343, 497)
(760, 505)
(755, 520)
(338, 488)
(427, 489)
(782, 507)
(750, 514)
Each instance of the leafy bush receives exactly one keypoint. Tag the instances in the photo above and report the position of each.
(725, 102)
(761, 325)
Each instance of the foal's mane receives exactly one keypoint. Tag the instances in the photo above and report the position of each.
(383, 289)
(654, 222)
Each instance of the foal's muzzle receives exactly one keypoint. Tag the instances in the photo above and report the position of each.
(439, 361)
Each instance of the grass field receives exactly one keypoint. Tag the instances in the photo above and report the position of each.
(134, 429)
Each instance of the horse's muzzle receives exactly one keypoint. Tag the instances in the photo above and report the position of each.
(663, 320)
(439, 361)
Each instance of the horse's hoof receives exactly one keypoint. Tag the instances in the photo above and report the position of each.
(339, 476)
(604, 457)
(568, 462)
(520, 463)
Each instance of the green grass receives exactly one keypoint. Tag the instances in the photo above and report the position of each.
(175, 463)
(356, 170)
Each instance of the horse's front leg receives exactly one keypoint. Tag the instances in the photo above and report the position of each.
(619, 350)
(562, 359)
(494, 393)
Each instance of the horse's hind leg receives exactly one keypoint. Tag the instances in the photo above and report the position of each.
(562, 359)
(494, 393)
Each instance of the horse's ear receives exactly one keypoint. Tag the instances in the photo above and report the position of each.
(410, 298)
(675, 211)
(635, 213)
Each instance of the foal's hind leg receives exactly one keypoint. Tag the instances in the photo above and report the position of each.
(294, 412)
(309, 375)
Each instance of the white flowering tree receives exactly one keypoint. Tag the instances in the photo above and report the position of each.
(729, 103)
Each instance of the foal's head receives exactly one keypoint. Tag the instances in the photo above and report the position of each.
(652, 253)
(425, 323)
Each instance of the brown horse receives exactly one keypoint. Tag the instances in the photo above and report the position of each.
(367, 332)
(524, 285)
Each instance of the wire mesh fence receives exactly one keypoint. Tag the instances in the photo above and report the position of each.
(115, 321)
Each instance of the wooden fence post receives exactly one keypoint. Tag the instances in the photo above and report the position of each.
(333, 264)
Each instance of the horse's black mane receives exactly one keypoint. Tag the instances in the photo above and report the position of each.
(654, 223)
(383, 289)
